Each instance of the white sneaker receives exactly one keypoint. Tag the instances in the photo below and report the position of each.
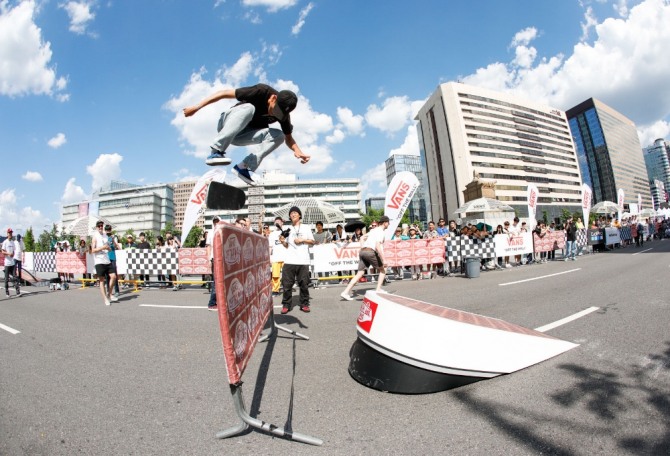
(344, 295)
(113, 298)
(508, 265)
(107, 303)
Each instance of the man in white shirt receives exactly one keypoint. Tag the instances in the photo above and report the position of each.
(277, 254)
(103, 266)
(296, 261)
(8, 251)
(371, 254)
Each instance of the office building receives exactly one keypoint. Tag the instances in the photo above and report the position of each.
(610, 155)
(375, 202)
(658, 170)
(127, 206)
(182, 193)
(467, 131)
(418, 207)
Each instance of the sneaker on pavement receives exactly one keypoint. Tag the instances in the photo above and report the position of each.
(212, 308)
(217, 158)
(107, 303)
(285, 310)
(244, 174)
(305, 309)
(346, 296)
(113, 298)
(7, 293)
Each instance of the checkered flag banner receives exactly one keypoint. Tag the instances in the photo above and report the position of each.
(153, 262)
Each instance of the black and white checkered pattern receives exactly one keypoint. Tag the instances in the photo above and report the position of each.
(44, 262)
(626, 233)
(582, 238)
(453, 248)
(479, 248)
(153, 262)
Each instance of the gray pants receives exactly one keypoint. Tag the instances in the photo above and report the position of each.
(233, 129)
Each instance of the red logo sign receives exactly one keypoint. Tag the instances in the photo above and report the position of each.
(201, 195)
(367, 315)
(398, 195)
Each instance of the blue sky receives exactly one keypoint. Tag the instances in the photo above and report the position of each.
(92, 90)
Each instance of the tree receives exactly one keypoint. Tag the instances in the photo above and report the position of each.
(29, 240)
(193, 238)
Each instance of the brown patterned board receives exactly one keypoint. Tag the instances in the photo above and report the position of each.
(462, 317)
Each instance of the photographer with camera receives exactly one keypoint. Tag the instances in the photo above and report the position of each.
(296, 240)
(277, 254)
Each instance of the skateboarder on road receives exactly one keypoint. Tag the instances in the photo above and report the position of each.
(247, 123)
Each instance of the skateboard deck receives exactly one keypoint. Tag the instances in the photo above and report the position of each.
(224, 197)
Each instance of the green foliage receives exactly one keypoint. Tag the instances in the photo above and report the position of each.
(29, 240)
(374, 214)
(193, 238)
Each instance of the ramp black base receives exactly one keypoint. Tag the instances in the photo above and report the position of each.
(378, 371)
(224, 197)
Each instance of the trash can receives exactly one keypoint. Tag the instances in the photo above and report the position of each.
(472, 267)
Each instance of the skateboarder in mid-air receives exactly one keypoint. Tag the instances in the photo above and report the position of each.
(247, 123)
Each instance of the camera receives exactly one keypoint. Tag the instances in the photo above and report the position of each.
(285, 233)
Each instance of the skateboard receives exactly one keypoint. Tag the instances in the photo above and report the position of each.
(224, 197)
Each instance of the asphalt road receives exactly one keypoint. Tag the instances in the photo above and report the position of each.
(82, 378)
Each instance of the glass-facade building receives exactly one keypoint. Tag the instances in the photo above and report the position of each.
(609, 152)
(418, 207)
(658, 170)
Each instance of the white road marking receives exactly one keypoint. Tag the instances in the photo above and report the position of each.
(642, 251)
(173, 307)
(8, 329)
(565, 320)
(538, 278)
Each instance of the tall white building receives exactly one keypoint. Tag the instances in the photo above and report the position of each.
(468, 131)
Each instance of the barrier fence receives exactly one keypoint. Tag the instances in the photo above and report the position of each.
(334, 257)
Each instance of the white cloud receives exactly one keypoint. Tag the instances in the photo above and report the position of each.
(375, 181)
(626, 67)
(57, 141)
(354, 124)
(621, 7)
(240, 71)
(650, 133)
(590, 21)
(32, 176)
(392, 116)
(18, 218)
(302, 17)
(336, 137)
(80, 15)
(271, 5)
(25, 57)
(73, 193)
(411, 144)
(107, 167)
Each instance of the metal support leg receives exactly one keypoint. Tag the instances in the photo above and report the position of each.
(273, 330)
(246, 421)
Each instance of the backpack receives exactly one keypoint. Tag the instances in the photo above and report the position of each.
(640, 228)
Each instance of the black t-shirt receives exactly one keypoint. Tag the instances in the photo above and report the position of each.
(143, 245)
(258, 96)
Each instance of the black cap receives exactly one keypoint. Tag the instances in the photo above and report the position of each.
(286, 102)
(295, 209)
